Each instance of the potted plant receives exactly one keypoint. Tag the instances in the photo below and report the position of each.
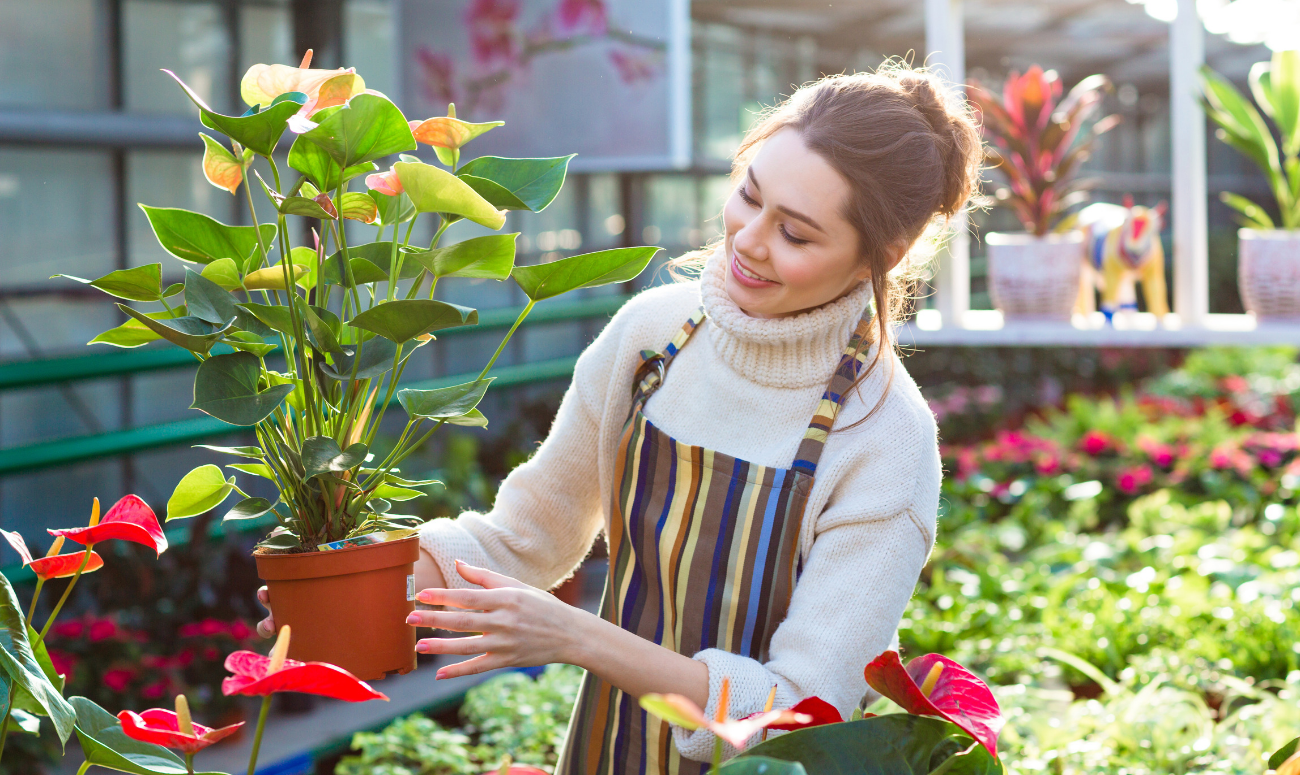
(1268, 261)
(306, 345)
(1037, 141)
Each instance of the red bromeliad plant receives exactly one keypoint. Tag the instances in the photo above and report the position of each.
(1038, 141)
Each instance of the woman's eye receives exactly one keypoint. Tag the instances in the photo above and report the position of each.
(790, 239)
(746, 197)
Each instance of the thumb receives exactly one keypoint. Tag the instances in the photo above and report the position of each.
(486, 578)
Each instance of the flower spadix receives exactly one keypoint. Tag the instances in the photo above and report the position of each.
(680, 711)
(933, 685)
(259, 676)
(130, 519)
(53, 565)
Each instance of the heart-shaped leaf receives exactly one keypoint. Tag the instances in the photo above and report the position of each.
(208, 301)
(23, 700)
(275, 316)
(255, 469)
(443, 403)
(224, 272)
(323, 328)
(405, 319)
(491, 257)
(198, 492)
(196, 238)
(893, 743)
(24, 672)
(533, 182)
(220, 166)
(321, 455)
(392, 209)
(312, 160)
(435, 190)
(368, 127)
(377, 357)
(472, 419)
(761, 765)
(249, 508)
(253, 452)
(105, 744)
(356, 206)
(589, 270)
(192, 333)
(133, 333)
(226, 387)
(270, 278)
(496, 194)
(307, 208)
(141, 283)
(27, 723)
(370, 263)
(394, 493)
(259, 132)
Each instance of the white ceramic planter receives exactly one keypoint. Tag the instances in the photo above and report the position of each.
(1268, 273)
(1035, 277)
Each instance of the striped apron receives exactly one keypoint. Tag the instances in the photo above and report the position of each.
(703, 553)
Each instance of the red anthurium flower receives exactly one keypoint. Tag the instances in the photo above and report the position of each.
(933, 685)
(53, 566)
(162, 727)
(260, 676)
(130, 519)
(815, 709)
(678, 710)
(385, 182)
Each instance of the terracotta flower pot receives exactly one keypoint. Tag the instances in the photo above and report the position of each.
(1268, 274)
(347, 607)
(1035, 277)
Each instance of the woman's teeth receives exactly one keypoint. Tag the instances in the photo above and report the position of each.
(750, 274)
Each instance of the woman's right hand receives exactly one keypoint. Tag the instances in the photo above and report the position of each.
(427, 575)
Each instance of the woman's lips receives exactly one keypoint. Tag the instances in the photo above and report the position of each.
(746, 280)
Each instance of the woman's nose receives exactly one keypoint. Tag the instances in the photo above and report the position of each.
(748, 242)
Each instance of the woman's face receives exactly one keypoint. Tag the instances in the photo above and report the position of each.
(789, 247)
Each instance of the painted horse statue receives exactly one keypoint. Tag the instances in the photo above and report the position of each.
(1122, 245)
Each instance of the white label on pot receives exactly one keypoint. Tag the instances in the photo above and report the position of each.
(410, 587)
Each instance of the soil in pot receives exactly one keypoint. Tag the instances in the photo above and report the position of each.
(347, 607)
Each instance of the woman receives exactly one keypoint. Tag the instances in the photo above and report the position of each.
(746, 542)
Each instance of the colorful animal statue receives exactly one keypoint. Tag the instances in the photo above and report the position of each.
(1122, 245)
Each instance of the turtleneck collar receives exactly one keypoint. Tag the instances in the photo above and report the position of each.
(797, 351)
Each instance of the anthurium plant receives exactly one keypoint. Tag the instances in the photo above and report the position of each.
(1275, 84)
(950, 725)
(1037, 140)
(343, 319)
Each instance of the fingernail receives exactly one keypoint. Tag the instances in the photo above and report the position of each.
(422, 647)
(412, 619)
(424, 597)
(439, 675)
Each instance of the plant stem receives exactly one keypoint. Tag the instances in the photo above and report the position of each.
(189, 763)
(717, 756)
(31, 612)
(59, 606)
(257, 737)
(82, 769)
(523, 314)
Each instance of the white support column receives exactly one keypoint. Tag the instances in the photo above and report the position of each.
(1188, 211)
(945, 48)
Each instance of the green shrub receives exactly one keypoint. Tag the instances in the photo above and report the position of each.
(414, 745)
(524, 717)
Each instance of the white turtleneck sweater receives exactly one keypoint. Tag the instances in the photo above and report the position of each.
(746, 387)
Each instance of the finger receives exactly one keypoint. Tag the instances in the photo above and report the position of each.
(266, 627)
(453, 621)
(474, 599)
(264, 597)
(486, 578)
(479, 664)
(473, 644)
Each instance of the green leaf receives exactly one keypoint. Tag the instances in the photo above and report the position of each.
(192, 333)
(389, 492)
(534, 182)
(196, 238)
(208, 301)
(258, 132)
(224, 272)
(1284, 77)
(392, 478)
(105, 744)
(1240, 120)
(1253, 215)
(301, 205)
(312, 160)
(491, 257)
(392, 209)
(435, 190)
(226, 387)
(247, 342)
(249, 508)
(282, 541)
(141, 283)
(28, 723)
(322, 328)
(370, 263)
(256, 469)
(377, 357)
(253, 452)
(368, 127)
(23, 699)
(275, 316)
(761, 765)
(443, 403)
(19, 663)
(473, 419)
(133, 333)
(496, 194)
(356, 206)
(305, 257)
(589, 270)
(405, 319)
(198, 492)
(321, 455)
(897, 743)
(1282, 754)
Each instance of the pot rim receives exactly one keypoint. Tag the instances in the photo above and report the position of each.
(1246, 232)
(307, 565)
(1025, 238)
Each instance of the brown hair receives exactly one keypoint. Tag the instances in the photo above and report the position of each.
(910, 151)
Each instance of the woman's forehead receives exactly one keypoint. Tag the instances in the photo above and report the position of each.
(789, 174)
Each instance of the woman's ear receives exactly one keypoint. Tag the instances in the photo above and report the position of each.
(893, 255)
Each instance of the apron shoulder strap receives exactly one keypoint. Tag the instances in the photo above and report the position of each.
(654, 365)
(851, 363)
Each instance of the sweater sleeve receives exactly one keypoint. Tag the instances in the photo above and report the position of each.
(865, 559)
(547, 511)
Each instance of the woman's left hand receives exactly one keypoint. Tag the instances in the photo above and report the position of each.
(520, 626)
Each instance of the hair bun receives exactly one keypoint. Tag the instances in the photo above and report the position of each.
(957, 138)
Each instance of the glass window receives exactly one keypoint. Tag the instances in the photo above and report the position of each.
(719, 93)
(169, 179)
(370, 43)
(56, 212)
(714, 191)
(605, 218)
(190, 39)
(266, 35)
(53, 54)
(670, 215)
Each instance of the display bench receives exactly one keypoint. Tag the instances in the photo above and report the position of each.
(988, 328)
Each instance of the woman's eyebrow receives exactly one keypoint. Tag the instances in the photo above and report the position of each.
(792, 213)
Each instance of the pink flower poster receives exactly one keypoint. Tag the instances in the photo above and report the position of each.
(606, 79)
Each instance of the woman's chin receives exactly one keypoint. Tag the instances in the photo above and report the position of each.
(755, 302)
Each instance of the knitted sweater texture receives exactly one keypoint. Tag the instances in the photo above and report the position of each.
(745, 387)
